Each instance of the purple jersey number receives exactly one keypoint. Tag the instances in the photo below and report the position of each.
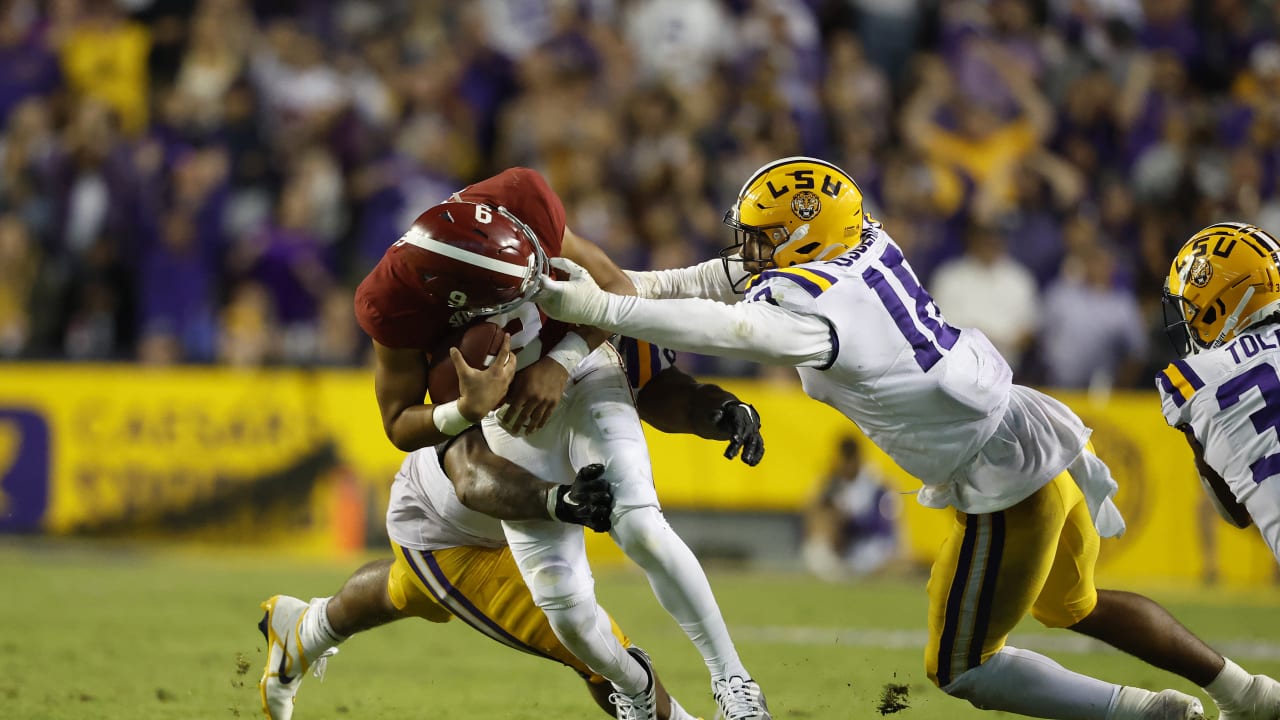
(1263, 377)
(927, 351)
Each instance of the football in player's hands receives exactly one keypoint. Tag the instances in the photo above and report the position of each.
(479, 344)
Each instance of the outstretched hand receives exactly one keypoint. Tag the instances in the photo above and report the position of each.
(742, 423)
(576, 300)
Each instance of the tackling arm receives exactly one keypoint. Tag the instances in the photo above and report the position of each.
(497, 487)
(675, 402)
(705, 280)
(755, 331)
(1224, 501)
(493, 485)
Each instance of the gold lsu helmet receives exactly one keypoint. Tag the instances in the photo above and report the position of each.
(802, 209)
(1224, 279)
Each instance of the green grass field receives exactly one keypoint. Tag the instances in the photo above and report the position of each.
(132, 633)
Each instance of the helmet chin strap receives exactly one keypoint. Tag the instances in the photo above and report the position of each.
(794, 237)
(1234, 317)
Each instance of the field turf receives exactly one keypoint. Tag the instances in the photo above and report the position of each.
(133, 632)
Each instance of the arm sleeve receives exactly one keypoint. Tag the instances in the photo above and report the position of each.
(754, 331)
(704, 280)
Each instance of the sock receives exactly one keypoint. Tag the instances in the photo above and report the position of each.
(1134, 703)
(1028, 683)
(1230, 684)
(315, 632)
(587, 633)
(677, 712)
(680, 586)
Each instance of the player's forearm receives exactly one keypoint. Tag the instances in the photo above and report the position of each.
(494, 486)
(674, 402)
(414, 428)
(704, 280)
(747, 331)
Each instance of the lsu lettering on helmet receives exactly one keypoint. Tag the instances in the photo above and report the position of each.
(796, 210)
(1224, 279)
(477, 258)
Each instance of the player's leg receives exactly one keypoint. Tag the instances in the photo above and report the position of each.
(1143, 628)
(484, 588)
(605, 427)
(552, 558)
(990, 573)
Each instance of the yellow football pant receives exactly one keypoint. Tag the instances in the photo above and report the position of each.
(1037, 556)
(483, 588)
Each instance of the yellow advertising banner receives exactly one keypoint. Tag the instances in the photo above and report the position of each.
(302, 454)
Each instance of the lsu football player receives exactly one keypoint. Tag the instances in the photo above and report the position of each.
(1222, 312)
(478, 256)
(452, 558)
(828, 291)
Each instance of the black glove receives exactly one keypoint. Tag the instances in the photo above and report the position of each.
(588, 501)
(742, 422)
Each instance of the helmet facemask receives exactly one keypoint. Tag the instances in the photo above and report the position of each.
(765, 239)
(1178, 313)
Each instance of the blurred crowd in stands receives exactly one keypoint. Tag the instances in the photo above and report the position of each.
(207, 180)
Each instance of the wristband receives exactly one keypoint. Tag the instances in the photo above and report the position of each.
(570, 351)
(448, 419)
(553, 498)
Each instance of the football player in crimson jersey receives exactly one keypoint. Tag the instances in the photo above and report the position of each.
(451, 559)
(568, 404)
(830, 293)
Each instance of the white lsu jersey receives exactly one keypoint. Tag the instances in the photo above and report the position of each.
(424, 512)
(1230, 396)
(930, 395)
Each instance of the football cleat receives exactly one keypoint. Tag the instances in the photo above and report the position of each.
(739, 698)
(643, 706)
(1261, 701)
(1139, 704)
(286, 662)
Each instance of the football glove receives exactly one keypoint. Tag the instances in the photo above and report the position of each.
(588, 501)
(742, 422)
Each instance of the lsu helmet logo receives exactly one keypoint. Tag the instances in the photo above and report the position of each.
(1201, 272)
(806, 205)
(797, 210)
(1223, 280)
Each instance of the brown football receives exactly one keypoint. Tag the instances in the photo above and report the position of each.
(479, 344)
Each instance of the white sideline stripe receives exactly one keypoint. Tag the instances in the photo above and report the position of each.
(420, 239)
(1064, 642)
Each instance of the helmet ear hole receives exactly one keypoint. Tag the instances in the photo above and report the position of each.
(1210, 315)
(808, 248)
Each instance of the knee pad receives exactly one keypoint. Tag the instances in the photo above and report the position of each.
(640, 532)
(557, 585)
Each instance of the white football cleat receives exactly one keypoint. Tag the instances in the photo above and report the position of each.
(1261, 701)
(643, 706)
(286, 663)
(739, 698)
(1138, 704)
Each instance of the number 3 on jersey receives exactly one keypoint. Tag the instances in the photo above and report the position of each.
(1264, 378)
